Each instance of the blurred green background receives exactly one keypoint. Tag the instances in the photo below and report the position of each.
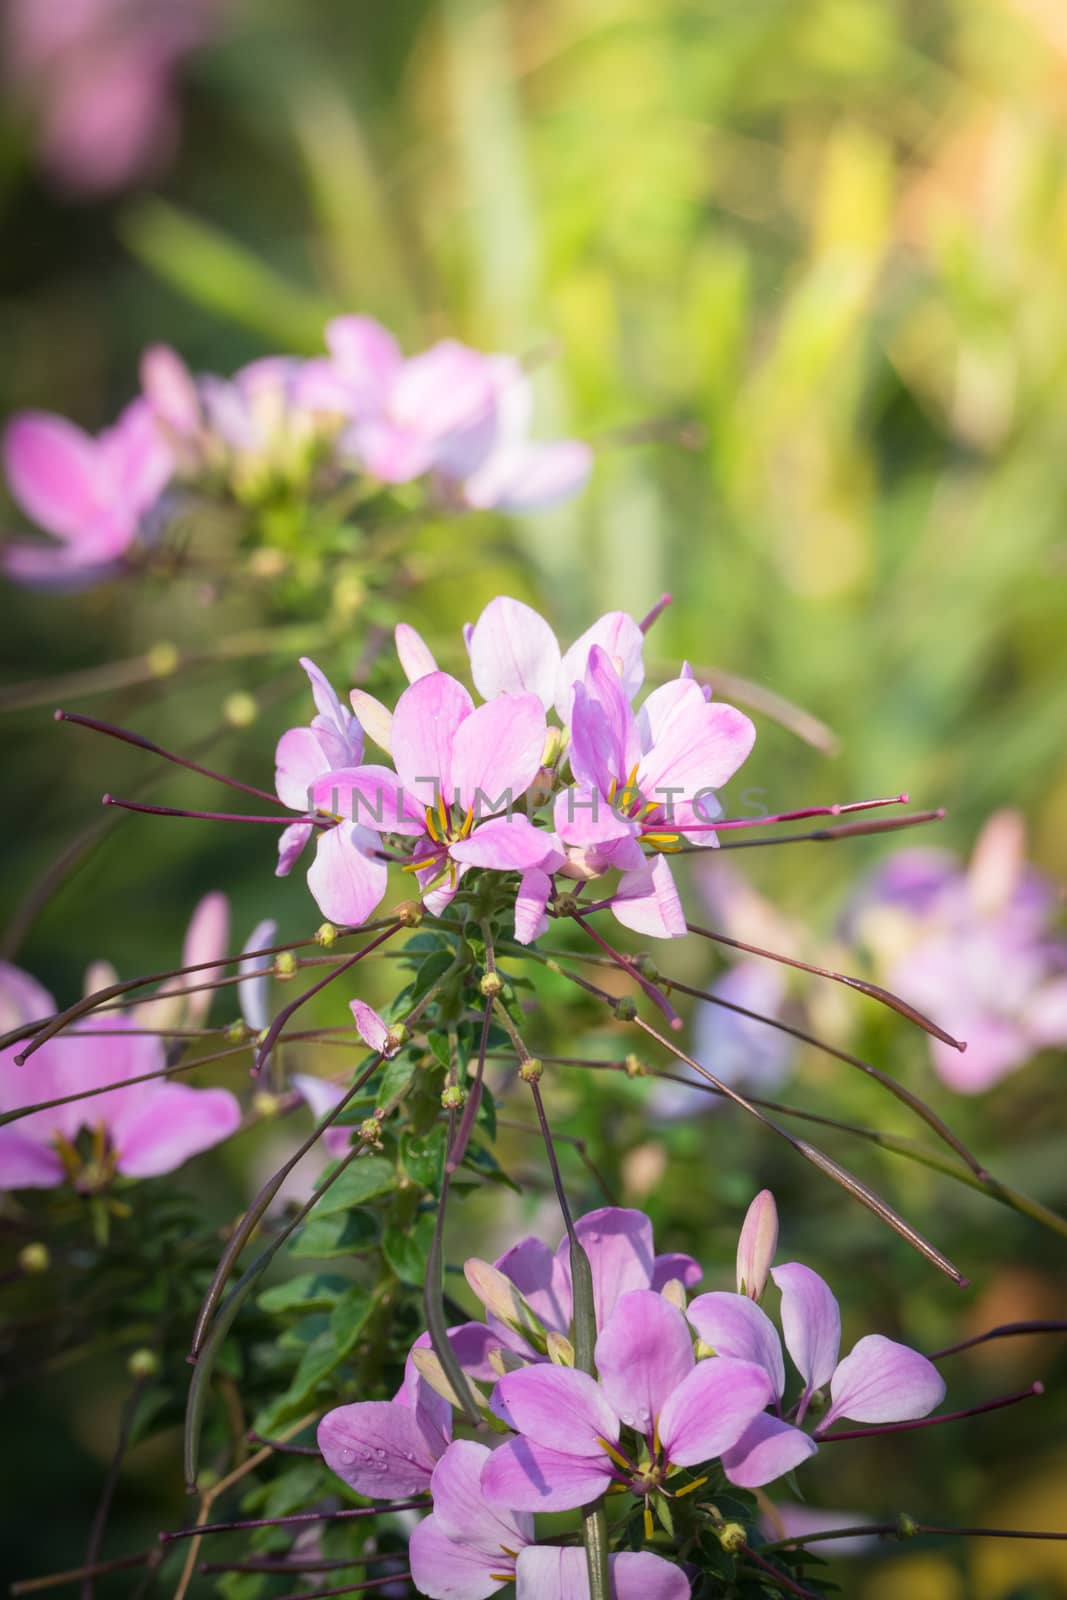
(797, 268)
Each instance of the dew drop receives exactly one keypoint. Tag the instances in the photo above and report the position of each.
(347, 1457)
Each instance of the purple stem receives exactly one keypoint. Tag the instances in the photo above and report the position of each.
(1034, 1390)
(655, 995)
(141, 743)
(297, 1517)
(210, 816)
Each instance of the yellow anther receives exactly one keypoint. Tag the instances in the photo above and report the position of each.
(649, 1524)
(619, 1460)
(417, 866)
(442, 812)
(468, 823)
(431, 826)
(687, 1488)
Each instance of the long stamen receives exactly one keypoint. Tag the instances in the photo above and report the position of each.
(655, 995)
(1035, 1390)
(154, 749)
(249, 1523)
(875, 991)
(796, 816)
(209, 816)
(657, 610)
(286, 1012)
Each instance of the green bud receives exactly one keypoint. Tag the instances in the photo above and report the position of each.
(396, 1036)
(143, 1363)
(732, 1537)
(326, 935)
(285, 966)
(408, 913)
(907, 1527)
(491, 984)
(530, 1071)
(635, 1067)
(163, 659)
(626, 1008)
(647, 968)
(370, 1132)
(453, 1097)
(265, 1104)
(33, 1259)
(237, 1032)
(566, 905)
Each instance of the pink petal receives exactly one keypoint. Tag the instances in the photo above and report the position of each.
(644, 1352)
(541, 1278)
(526, 1476)
(254, 988)
(496, 752)
(372, 1028)
(395, 455)
(337, 716)
(618, 1243)
(347, 885)
(291, 846)
(378, 1449)
(506, 844)
(460, 1508)
(445, 389)
(530, 477)
(368, 359)
(371, 796)
(883, 1381)
(768, 1449)
(170, 1125)
(426, 723)
(677, 699)
(676, 1267)
(450, 1569)
(558, 1407)
(811, 1322)
(621, 638)
(735, 1326)
(207, 938)
(546, 1572)
(1047, 1014)
(25, 1164)
(375, 719)
(513, 651)
(530, 905)
(711, 1409)
(53, 471)
(700, 751)
(415, 655)
(170, 390)
(604, 747)
(648, 902)
(298, 761)
(582, 816)
(22, 999)
(318, 1094)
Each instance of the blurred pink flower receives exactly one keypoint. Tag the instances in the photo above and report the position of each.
(92, 494)
(98, 82)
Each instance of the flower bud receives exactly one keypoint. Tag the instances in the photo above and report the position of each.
(163, 659)
(635, 1067)
(33, 1259)
(757, 1244)
(626, 1008)
(674, 1291)
(566, 905)
(326, 935)
(370, 1132)
(907, 1527)
(395, 1036)
(452, 1097)
(237, 1032)
(505, 1361)
(285, 966)
(408, 913)
(143, 1363)
(491, 984)
(500, 1297)
(647, 968)
(530, 1071)
(732, 1537)
(265, 1104)
(560, 1350)
(428, 1366)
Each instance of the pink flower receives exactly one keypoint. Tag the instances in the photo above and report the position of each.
(621, 1254)
(467, 1549)
(756, 1245)
(516, 473)
(207, 938)
(878, 1381)
(570, 1446)
(91, 494)
(388, 1448)
(98, 77)
(975, 948)
(645, 778)
(513, 650)
(345, 879)
(139, 1130)
(406, 416)
(454, 763)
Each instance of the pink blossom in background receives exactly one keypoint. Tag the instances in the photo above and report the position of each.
(139, 1131)
(93, 495)
(977, 946)
(98, 82)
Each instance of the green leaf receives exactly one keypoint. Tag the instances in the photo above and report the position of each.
(325, 1237)
(439, 1044)
(350, 1317)
(366, 1177)
(317, 1362)
(311, 1291)
(395, 1081)
(435, 966)
(407, 1250)
(422, 1156)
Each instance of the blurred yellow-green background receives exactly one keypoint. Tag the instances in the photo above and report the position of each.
(797, 269)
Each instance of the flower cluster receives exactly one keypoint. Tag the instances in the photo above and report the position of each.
(977, 944)
(453, 416)
(496, 787)
(683, 1392)
(146, 1126)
